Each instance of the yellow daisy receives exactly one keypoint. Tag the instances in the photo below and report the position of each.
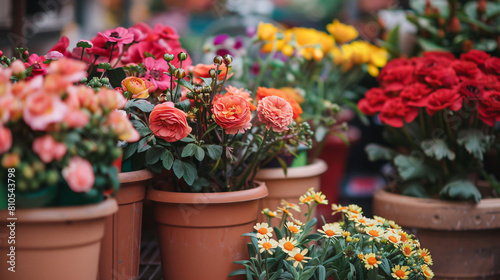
(320, 198)
(287, 244)
(379, 219)
(427, 272)
(361, 256)
(407, 249)
(400, 272)
(403, 235)
(267, 245)
(298, 257)
(375, 231)
(424, 254)
(338, 208)
(263, 230)
(331, 230)
(285, 211)
(353, 208)
(293, 228)
(290, 205)
(371, 261)
(269, 213)
(393, 225)
(306, 199)
(392, 237)
(298, 222)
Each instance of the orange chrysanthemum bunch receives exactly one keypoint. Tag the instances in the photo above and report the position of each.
(374, 247)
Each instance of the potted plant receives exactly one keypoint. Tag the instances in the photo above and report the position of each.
(58, 142)
(318, 70)
(357, 247)
(441, 115)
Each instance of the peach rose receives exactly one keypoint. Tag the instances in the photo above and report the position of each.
(76, 118)
(230, 90)
(111, 99)
(137, 86)
(168, 122)
(264, 92)
(275, 112)
(79, 175)
(122, 126)
(5, 139)
(82, 97)
(43, 109)
(48, 149)
(232, 113)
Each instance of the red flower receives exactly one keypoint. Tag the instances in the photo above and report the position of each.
(373, 102)
(39, 68)
(118, 35)
(492, 65)
(442, 99)
(416, 94)
(394, 79)
(466, 70)
(478, 57)
(439, 56)
(442, 77)
(62, 47)
(489, 107)
(471, 90)
(395, 111)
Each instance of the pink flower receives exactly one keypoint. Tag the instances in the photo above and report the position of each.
(48, 149)
(276, 112)
(61, 47)
(111, 99)
(54, 55)
(39, 68)
(79, 175)
(154, 72)
(82, 97)
(17, 67)
(5, 139)
(232, 113)
(118, 35)
(168, 122)
(43, 109)
(76, 119)
(122, 126)
(139, 35)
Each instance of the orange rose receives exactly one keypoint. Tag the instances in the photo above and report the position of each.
(264, 92)
(275, 112)
(137, 86)
(230, 90)
(168, 122)
(232, 113)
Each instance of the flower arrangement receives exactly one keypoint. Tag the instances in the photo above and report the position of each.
(58, 136)
(315, 68)
(357, 247)
(441, 114)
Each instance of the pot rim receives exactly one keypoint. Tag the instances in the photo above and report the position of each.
(134, 176)
(208, 198)
(316, 168)
(62, 214)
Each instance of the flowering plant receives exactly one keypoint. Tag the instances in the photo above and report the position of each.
(58, 137)
(441, 114)
(357, 247)
(314, 68)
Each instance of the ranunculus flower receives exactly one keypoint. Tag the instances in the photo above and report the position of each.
(489, 107)
(39, 68)
(137, 86)
(43, 109)
(232, 113)
(155, 72)
(415, 94)
(86, 98)
(395, 111)
(471, 90)
(466, 70)
(263, 92)
(476, 56)
(111, 99)
(275, 112)
(230, 90)
(122, 126)
(79, 175)
(62, 47)
(442, 77)
(342, 33)
(76, 118)
(492, 65)
(373, 102)
(168, 122)
(63, 73)
(394, 77)
(5, 139)
(49, 149)
(442, 99)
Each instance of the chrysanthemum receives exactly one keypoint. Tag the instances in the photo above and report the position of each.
(393, 224)
(298, 222)
(331, 230)
(292, 227)
(299, 257)
(392, 237)
(375, 231)
(320, 198)
(379, 219)
(290, 205)
(424, 254)
(400, 272)
(267, 245)
(371, 261)
(287, 244)
(403, 235)
(263, 230)
(427, 272)
(407, 249)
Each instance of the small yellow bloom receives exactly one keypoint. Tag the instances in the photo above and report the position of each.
(263, 230)
(400, 272)
(293, 228)
(306, 199)
(353, 208)
(361, 256)
(287, 244)
(424, 254)
(338, 208)
(298, 222)
(348, 239)
(289, 205)
(331, 230)
(287, 50)
(427, 272)
(266, 31)
(320, 198)
(393, 224)
(375, 231)
(285, 211)
(267, 245)
(269, 213)
(298, 257)
(392, 237)
(371, 261)
(341, 32)
(407, 249)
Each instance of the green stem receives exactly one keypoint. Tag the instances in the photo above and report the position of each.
(112, 50)
(267, 269)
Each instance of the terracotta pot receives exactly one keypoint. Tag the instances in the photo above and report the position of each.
(121, 247)
(200, 233)
(290, 187)
(463, 238)
(55, 243)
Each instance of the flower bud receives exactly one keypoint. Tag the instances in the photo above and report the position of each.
(218, 60)
(481, 7)
(26, 53)
(180, 73)
(168, 57)
(105, 81)
(212, 73)
(207, 89)
(198, 89)
(83, 80)
(182, 56)
(455, 26)
(228, 59)
(1, 53)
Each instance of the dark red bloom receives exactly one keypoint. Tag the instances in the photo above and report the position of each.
(489, 107)
(492, 65)
(415, 94)
(444, 99)
(62, 46)
(466, 70)
(373, 102)
(478, 57)
(395, 111)
(442, 76)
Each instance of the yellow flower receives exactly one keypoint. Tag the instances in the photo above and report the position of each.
(353, 208)
(341, 32)
(407, 249)
(267, 245)
(375, 231)
(299, 257)
(331, 230)
(293, 228)
(310, 43)
(361, 256)
(287, 50)
(298, 222)
(320, 198)
(393, 224)
(306, 199)
(337, 56)
(266, 31)
(379, 219)
(290, 205)
(424, 254)
(427, 272)
(136, 86)
(284, 210)
(338, 208)
(263, 230)
(371, 261)
(400, 272)
(269, 213)
(393, 237)
(287, 244)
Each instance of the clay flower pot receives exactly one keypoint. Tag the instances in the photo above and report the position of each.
(120, 251)
(463, 238)
(200, 233)
(55, 243)
(290, 187)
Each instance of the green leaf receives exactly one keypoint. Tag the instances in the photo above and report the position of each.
(144, 131)
(190, 172)
(199, 154)
(185, 84)
(321, 272)
(116, 76)
(179, 168)
(143, 145)
(376, 152)
(167, 159)
(189, 150)
(104, 65)
(428, 45)
(307, 273)
(386, 267)
(187, 139)
(129, 150)
(475, 142)
(238, 272)
(141, 104)
(415, 189)
(419, 6)
(199, 184)
(184, 105)
(414, 168)
(283, 165)
(154, 154)
(461, 190)
(210, 128)
(291, 269)
(214, 151)
(437, 148)
(393, 37)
